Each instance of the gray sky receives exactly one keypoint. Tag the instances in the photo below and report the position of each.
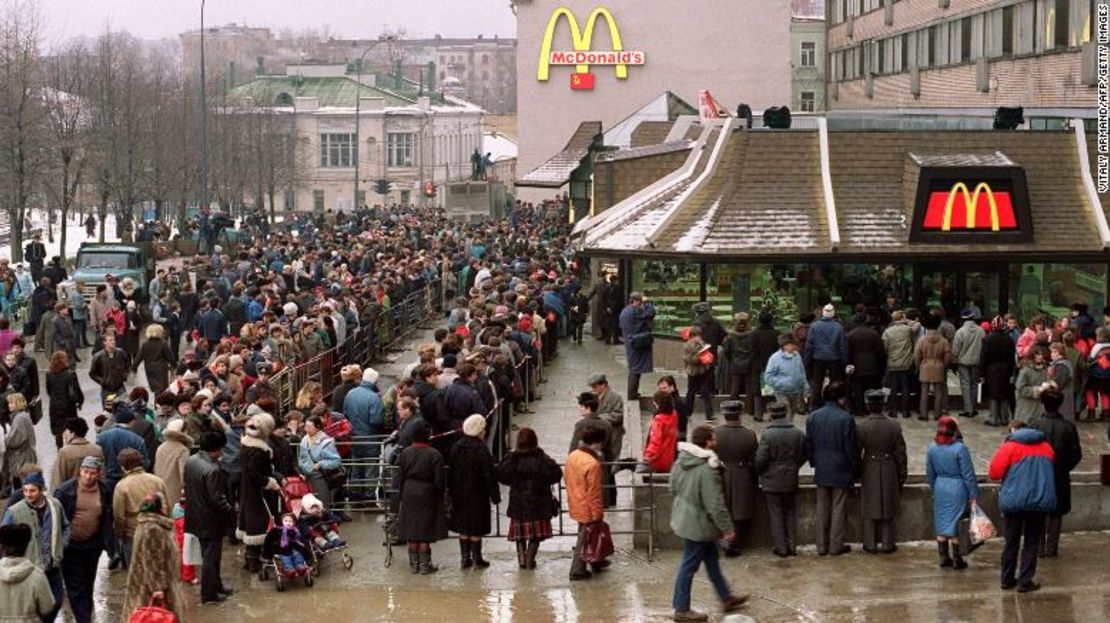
(156, 19)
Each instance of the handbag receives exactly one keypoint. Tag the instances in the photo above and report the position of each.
(556, 507)
(34, 409)
(597, 542)
(335, 478)
(642, 341)
(154, 612)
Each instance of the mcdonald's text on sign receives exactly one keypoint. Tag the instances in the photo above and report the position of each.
(583, 56)
(980, 208)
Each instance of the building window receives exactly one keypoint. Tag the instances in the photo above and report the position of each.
(809, 101)
(1008, 30)
(318, 200)
(290, 201)
(809, 54)
(485, 59)
(336, 151)
(485, 75)
(965, 40)
(401, 146)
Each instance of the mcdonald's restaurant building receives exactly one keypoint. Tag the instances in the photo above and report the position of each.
(788, 220)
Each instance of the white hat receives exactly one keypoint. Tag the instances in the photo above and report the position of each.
(829, 311)
(175, 425)
(310, 501)
(370, 375)
(474, 425)
(290, 309)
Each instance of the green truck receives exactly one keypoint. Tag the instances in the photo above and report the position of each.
(95, 261)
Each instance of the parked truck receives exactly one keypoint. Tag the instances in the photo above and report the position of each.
(95, 261)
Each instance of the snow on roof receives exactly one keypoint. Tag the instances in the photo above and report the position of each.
(499, 146)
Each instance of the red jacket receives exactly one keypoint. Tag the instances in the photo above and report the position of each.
(662, 442)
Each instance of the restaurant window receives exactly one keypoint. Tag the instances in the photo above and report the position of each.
(1051, 289)
(854, 287)
(674, 288)
(780, 289)
(809, 54)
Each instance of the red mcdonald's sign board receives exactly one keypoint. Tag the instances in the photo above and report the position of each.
(961, 209)
(971, 205)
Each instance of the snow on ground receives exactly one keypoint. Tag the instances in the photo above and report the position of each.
(75, 235)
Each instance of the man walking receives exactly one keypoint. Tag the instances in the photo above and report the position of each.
(967, 347)
(833, 453)
(109, 368)
(128, 498)
(699, 516)
(72, 454)
(635, 325)
(610, 408)
(87, 502)
(781, 453)
(584, 477)
(1024, 465)
(883, 460)
(35, 254)
(736, 446)
(209, 512)
(49, 532)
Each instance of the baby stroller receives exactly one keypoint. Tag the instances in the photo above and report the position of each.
(321, 529)
(293, 489)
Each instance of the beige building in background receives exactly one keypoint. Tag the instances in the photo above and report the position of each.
(807, 44)
(955, 61)
(740, 50)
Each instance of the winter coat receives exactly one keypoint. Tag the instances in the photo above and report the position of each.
(610, 407)
(691, 357)
(284, 457)
(786, 374)
(736, 446)
(1024, 464)
(826, 341)
(779, 456)
(212, 325)
(765, 342)
(1027, 405)
(48, 534)
(865, 347)
(584, 476)
(160, 364)
(19, 444)
(1062, 435)
(209, 511)
(529, 475)
(634, 321)
(951, 475)
(996, 364)
(66, 494)
(109, 370)
(320, 449)
(65, 398)
(596, 421)
(967, 346)
(339, 395)
(112, 440)
(932, 354)
(68, 463)
(898, 344)
(699, 512)
(64, 337)
(831, 447)
(472, 487)
(363, 408)
(1063, 374)
(462, 400)
(25, 595)
(129, 495)
(169, 463)
(662, 441)
(883, 466)
(256, 498)
(738, 352)
(422, 482)
(155, 566)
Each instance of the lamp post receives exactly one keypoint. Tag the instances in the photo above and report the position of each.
(358, 110)
(202, 97)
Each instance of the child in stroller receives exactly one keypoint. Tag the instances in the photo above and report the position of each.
(292, 557)
(321, 525)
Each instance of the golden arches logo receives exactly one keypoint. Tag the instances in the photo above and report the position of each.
(971, 202)
(581, 40)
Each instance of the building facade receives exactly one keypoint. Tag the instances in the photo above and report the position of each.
(406, 140)
(807, 45)
(739, 50)
(956, 61)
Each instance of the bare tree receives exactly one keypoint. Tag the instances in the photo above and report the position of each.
(22, 116)
(65, 84)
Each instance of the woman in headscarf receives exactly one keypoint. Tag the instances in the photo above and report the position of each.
(257, 486)
(133, 325)
(155, 567)
(158, 357)
(951, 476)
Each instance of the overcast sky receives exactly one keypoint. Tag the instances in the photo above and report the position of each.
(156, 19)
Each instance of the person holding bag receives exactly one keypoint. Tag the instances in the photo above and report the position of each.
(318, 460)
(951, 476)
(529, 473)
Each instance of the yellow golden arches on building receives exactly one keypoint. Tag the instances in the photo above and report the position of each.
(971, 200)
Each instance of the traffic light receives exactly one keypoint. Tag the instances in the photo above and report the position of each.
(382, 187)
(429, 189)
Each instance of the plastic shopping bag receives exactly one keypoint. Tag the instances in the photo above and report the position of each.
(981, 529)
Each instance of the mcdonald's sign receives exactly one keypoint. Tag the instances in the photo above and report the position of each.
(972, 205)
(582, 56)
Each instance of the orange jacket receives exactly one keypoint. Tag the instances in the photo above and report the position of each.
(584, 475)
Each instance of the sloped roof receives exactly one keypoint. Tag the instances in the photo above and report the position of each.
(557, 170)
(331, 91)
(646, 150)
(668, 107)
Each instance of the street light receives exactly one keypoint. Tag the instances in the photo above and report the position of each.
(358, 110)
(203, 118)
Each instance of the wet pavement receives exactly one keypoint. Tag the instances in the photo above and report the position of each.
(906, 586)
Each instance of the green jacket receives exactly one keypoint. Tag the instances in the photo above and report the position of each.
(698, 512)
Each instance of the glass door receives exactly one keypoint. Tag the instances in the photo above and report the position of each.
(936, 286)
(983, 292)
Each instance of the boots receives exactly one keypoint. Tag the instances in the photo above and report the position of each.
(958, 559)
(466, 561)
(425, 563)
(530, 555)
(476, 550)
(522, 554)
(945, 559)
(414, 561)
(253, 558)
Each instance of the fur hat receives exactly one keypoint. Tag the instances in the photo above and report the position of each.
(260, 425)
(310, 501)
(474, 425)
(176, 425)
(370, 375)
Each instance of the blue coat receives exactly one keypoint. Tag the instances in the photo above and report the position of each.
(112, 440)
(951, 476)
(1024, 465)
(363, 407)
(786, 375)
(827, 341)
(831, 446)
(634, 320)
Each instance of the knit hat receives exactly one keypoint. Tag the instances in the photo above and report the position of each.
(310, 501)
(92, 462)
(260, 425)
(474, 425)
(828, 311)
(370, 375)
(35, 478)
